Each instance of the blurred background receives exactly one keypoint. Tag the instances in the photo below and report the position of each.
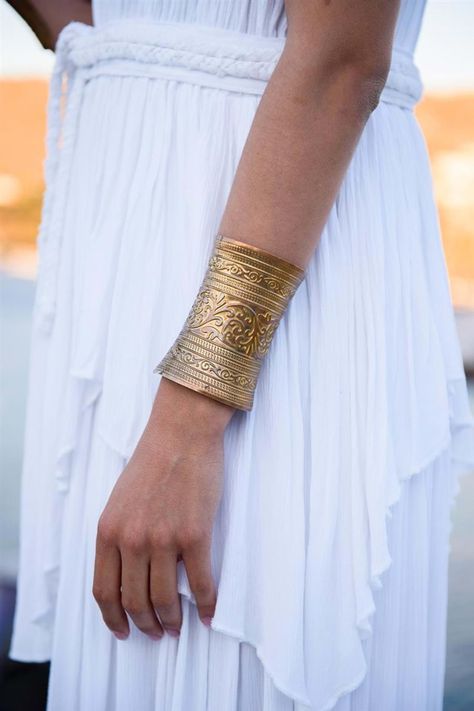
(446, 113)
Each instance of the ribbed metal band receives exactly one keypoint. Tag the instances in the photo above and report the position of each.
(243, 296)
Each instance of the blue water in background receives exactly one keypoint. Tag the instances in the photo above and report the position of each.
(16, 298)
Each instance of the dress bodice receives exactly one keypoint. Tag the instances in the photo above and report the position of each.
(260, 17)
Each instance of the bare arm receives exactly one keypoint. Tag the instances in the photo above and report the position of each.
(47, 17)
(309, 120)
(305, 130)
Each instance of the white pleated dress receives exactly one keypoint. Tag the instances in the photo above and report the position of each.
(331, 540)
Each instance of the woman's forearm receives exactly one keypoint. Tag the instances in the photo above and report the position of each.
(308, 124)
(327, 82)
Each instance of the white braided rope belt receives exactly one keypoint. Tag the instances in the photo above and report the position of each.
(207, 56)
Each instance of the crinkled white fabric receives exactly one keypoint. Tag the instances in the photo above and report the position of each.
(364, 388)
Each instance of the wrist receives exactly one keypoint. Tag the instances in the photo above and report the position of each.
(230, 326)
(180, 405)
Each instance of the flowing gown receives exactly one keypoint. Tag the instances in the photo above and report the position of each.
(330, 544)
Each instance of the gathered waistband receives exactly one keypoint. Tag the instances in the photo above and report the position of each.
(209, 56)
(186, 52)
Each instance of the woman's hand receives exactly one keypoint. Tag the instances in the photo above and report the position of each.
(162, 508)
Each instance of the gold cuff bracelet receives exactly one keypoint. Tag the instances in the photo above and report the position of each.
(220, 348)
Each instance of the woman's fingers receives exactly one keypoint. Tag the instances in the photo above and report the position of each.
(106, 586)
(127, 581)
(164, 589)
(197, 560)
(135, 590)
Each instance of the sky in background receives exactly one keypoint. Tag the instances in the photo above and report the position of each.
(445, 51)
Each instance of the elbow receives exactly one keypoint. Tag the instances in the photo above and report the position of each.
(369, 81)
(361, 77)
(371, 76)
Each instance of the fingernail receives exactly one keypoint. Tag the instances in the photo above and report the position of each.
(207, 621)
(155, 636)
(121, 635)
(173, 633)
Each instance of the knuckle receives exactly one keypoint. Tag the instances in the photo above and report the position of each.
(102, 595)
(106, 530)
(132, 606)
(162, 537)
(193, 536)
(133, 541)
(203, 588)
(173, 623)
(163, 603)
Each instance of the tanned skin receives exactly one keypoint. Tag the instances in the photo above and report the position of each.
(47, 17)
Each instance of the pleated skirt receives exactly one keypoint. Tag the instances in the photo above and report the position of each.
(331, 540)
